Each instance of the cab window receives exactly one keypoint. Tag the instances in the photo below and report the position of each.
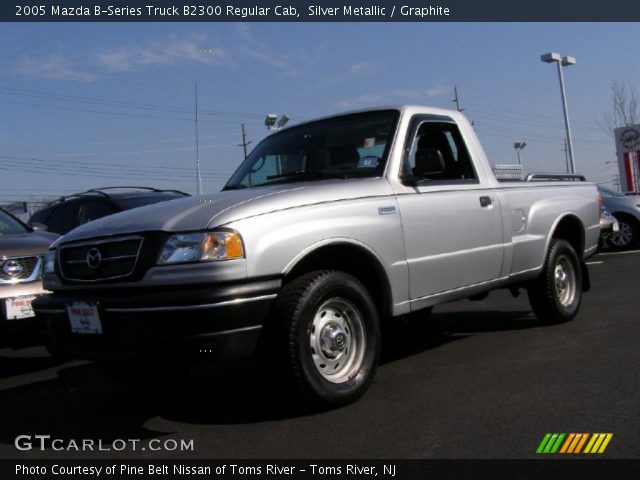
(444, 145)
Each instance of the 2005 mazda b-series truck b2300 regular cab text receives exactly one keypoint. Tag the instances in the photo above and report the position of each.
(327, 228)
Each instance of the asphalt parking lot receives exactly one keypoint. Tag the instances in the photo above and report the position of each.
(489, 383)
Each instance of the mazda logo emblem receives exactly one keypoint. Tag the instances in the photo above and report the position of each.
(12, 268)
(94, 258)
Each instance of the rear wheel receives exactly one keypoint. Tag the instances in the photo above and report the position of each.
(556, 294)
(325, 336)
(627, 235)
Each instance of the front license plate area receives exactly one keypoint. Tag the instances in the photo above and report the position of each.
(18, 308)
(84, 318)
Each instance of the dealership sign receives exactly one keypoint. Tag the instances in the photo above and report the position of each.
(628, 153)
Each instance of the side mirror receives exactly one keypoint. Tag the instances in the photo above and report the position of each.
(38, 226)
(429, 161)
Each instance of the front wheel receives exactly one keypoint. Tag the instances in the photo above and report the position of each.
(627, 235)
(325, 332)
(556, 294)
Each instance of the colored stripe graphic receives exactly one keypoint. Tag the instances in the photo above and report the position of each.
(555, 447)
(543, 443)
(550, 443)
(628, 172)
(591, 442)
(583, 439)
(573, 443)
(567, 443)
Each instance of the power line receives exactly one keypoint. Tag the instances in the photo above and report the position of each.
(107, 112)
(118, 103)
(119, 166)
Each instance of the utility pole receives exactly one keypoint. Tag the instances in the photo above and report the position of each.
(244, 141)
(456, 99)
(199, 178)
(566, 156)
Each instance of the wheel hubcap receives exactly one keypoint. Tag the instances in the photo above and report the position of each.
(333, 340)
(565, 281)
(623, 236)
(337, 340)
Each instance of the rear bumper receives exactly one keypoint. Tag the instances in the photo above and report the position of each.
(209, 322)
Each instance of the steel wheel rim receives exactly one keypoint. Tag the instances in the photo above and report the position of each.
(565, 281)
(337, 340)
(623, 236)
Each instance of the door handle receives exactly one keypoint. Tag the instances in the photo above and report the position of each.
(485, 201)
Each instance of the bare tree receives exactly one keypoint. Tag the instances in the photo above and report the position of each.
(625, 107)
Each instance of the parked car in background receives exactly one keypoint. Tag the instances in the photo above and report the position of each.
(22, 250)
(608, 225)
(68, 212)
(626, 209)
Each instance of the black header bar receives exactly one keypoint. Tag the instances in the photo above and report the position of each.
(544, 469)
(319, 11)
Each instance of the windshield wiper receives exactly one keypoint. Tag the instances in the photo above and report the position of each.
(233, 186)
(306, 175)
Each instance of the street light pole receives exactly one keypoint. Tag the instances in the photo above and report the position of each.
(563, 62)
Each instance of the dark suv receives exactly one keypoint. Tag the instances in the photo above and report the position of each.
(68, 212)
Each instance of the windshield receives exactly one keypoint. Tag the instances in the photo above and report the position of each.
(343, 147)
(10, 225)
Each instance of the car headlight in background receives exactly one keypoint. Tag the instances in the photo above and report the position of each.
(50, 262)
(201, 247)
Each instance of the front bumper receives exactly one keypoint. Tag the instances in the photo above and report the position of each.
(212, 322)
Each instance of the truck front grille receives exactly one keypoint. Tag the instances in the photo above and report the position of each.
(19, 269)
(100, 260)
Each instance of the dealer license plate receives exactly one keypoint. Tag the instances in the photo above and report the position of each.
(18, 308)
(84, 318)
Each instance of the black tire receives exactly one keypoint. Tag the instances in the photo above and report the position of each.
(628, 234)
(324, 338)
(556, 294)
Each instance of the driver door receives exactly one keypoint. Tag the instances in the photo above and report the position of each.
(451, 219)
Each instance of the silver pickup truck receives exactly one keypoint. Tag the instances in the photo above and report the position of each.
(328, 228)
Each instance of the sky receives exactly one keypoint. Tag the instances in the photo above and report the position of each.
(91, 105)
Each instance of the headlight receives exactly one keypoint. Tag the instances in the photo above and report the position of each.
(50, 261)
(198, 247)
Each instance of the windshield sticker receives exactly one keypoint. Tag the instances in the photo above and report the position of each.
(368, 162)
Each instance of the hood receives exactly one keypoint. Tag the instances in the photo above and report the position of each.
(26, 244)
(198, 213)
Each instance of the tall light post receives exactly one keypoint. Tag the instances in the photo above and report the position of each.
(519, 146)
(563, 62)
